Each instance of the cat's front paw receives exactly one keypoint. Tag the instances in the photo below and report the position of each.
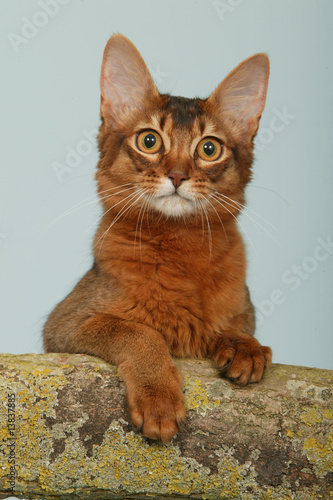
(242, 359)
(157, 409)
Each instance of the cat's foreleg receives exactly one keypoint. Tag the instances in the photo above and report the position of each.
(153, 383)
(239, 356)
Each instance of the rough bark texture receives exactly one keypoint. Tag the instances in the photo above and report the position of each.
(71, 435)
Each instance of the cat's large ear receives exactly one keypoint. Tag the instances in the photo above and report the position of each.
(240, 98)
(126, 84)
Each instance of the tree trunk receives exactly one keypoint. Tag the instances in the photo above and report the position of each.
(65, 433)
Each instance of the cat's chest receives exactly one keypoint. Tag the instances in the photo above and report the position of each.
(181, 287)
(173, 303)
(163, 287)
(175, 296)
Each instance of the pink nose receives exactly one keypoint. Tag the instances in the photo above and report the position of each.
(177, 178)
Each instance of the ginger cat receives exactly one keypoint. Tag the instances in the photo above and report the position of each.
(169, 263)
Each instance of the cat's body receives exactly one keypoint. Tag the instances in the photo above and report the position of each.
(170, 267)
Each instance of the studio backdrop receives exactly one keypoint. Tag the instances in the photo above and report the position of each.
(51, 52)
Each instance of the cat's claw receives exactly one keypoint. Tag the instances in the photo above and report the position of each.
(157, 413)
(244, 361)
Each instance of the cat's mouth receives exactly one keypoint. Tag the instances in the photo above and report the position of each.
(174, 204)
(176, 195)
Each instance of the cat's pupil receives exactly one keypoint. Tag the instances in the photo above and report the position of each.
(209, 148)
(149, 141)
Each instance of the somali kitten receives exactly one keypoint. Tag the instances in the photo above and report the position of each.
(169, 269)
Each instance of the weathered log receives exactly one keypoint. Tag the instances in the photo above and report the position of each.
(66, 433)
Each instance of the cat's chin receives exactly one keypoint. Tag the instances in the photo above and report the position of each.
(174, 205)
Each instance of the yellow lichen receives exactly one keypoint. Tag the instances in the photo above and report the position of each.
(312, 416)
(319, 454)
(125, 460)
(328, 413)
(196, 396)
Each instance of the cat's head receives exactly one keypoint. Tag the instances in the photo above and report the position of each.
(174, 156)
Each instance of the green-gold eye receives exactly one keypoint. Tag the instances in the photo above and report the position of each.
(149, 141)
(209, 149)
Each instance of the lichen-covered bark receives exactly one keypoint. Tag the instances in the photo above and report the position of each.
(70, 435)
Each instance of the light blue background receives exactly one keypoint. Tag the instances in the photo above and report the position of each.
(50, 95)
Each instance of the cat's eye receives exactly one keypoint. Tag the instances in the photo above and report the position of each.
(149, 141)
(209, 149)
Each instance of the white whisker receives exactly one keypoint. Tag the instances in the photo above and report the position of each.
(202, 221)
(206, 199)
(141, 192)
(210, 241)
(240, 206)
(83, 204)
(138, 194)
(143, 214)
(233, 215)
(142, 211)
(150, 197)
(271, 191)
(244, 207)
(108, 210)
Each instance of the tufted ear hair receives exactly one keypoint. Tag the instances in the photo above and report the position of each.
(125, 82)
(240, 98)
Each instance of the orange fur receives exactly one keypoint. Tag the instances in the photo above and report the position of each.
(170, 268)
